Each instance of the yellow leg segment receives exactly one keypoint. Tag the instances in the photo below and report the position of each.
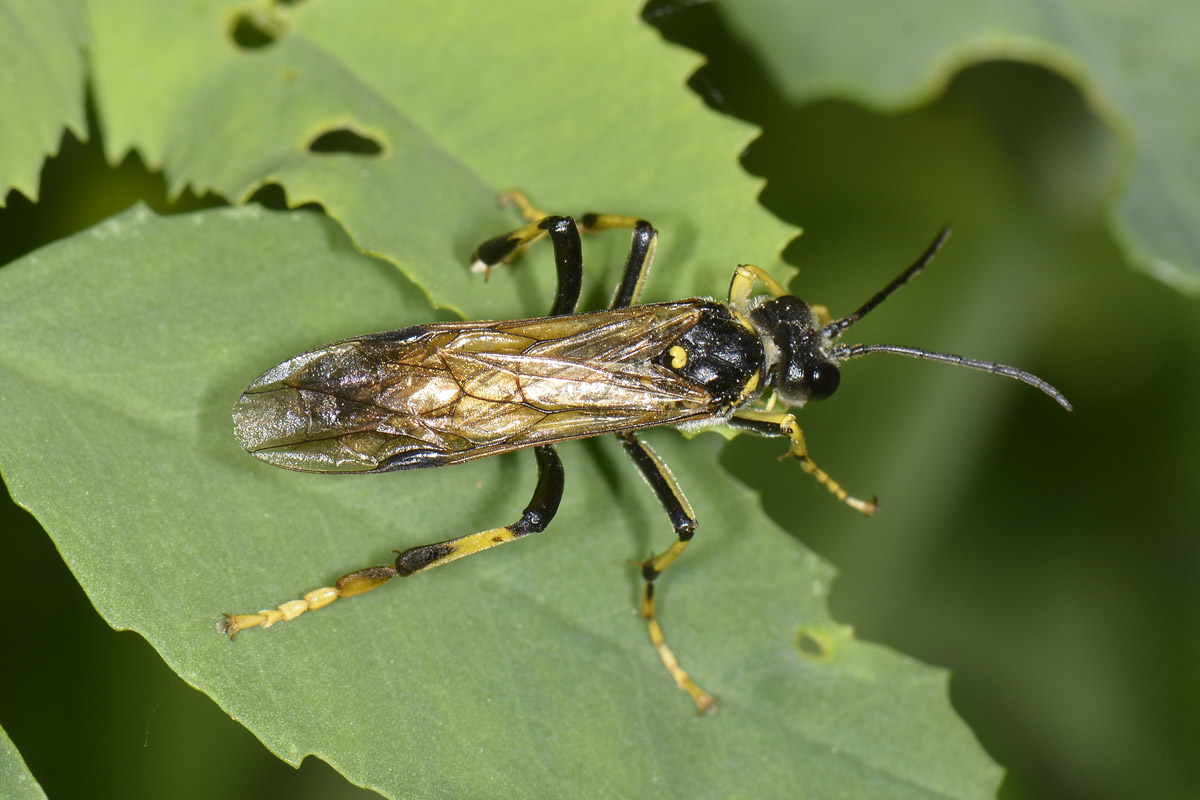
(799, 451)
(595, 223)
(419, 559)
(588, 223)
(363, 580)
(515, 198)
(416, 559)
(502, 248)
(743, 281)
(705, 702)
(541, 509)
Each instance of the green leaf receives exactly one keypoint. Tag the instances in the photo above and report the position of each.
(465, 100)
(16, 782)
(122, 350)
(523, 672)
(1131, 60)
(41, 86)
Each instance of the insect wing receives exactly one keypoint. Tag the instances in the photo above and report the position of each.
(440, 394)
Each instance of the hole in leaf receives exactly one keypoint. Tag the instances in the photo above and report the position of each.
(345, 140)
(251, 32)
(274, 197)
(814, 645)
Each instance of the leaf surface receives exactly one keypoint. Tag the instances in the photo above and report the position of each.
(41, 87)
(16, 782)
(465, 101)
(522, 672)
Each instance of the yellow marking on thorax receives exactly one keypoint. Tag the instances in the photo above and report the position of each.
(750, 387)
(679, 357)
(742, 319)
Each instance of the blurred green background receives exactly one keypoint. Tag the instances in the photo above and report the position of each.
(1050, 561)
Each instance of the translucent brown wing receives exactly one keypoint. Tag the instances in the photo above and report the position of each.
(444, 393)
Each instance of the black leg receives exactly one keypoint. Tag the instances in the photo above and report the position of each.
(637, 265)
(568, 256)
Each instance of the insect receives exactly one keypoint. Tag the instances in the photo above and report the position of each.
(445, 393)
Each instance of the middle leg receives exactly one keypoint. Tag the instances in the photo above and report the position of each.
(683, 520)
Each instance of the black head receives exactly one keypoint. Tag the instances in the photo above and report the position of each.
(802, 356)
(798, 364)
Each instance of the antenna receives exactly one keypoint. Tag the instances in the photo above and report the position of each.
(835, 328)
(846, 352)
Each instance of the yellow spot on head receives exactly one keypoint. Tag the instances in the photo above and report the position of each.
(679, 357)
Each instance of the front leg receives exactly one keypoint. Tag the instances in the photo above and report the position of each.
(770, 423)
(568, 256)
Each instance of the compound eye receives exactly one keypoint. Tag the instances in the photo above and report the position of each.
(824, 379)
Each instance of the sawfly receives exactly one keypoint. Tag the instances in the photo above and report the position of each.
(445, 393)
